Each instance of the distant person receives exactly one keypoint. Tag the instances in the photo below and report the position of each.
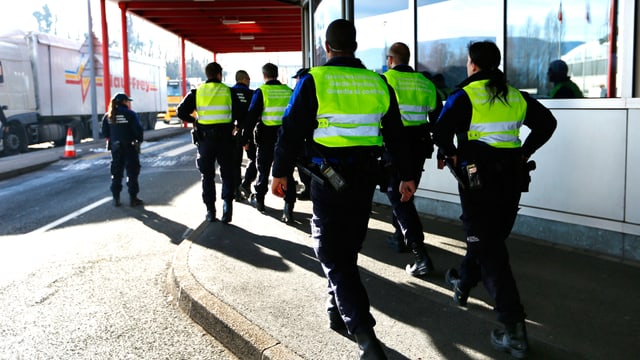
(419, 103)
(563, 87)
(263, 121)
(124, 133)
(478, 132)
(213, 134)
(344, 130)
(241, 96)
(441, 86)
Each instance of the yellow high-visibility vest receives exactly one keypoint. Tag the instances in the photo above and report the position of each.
(276, 98)
(351, 104)
(213, 104)
(496, 124)
(416, 96)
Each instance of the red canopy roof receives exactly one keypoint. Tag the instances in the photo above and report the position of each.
(226, 26)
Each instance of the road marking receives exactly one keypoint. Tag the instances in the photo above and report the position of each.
(180, 150)
(70, 216)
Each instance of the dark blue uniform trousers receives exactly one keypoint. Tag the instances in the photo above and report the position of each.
(339, 226)
(488, 215)
(211, 150)
(251, 172)
(125, 157)
(264, 160)
(405, 215)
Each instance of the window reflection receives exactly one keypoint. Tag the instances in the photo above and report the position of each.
(445, 28)
(378, 25)
(324, 12)
(576, 32)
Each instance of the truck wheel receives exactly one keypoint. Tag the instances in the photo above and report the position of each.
(78, 133)
(153, 118)
(15, 140)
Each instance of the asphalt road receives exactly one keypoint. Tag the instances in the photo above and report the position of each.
(81, 279)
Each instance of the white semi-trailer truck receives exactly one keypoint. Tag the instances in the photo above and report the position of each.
(45, 88)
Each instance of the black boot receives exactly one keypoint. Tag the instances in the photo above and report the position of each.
(116, 200)
(423, 264)
(335, 319)
(211, 214)
(135, 201)
(396, 242)
(453, 280)
(258, 203)
(513, 339)
(227, 211)
(370, 347)
(287, 213)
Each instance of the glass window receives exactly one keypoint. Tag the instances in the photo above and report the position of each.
(576, 32)
(378, 26)
(445, 28)
(324, 12)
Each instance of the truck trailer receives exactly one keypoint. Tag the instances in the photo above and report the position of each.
(45, 88)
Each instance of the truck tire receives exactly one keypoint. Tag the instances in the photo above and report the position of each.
(15, 140)
(78, 132)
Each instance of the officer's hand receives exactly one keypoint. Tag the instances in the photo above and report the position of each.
(279, 186)
(407, 189)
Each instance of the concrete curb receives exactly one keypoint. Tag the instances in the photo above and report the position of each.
(237, 333)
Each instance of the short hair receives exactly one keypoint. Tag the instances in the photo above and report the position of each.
(242, 75)
(401, 52)
(212, 69)
(485, 54)
(270, 70)
(341, 36)
(558, 67)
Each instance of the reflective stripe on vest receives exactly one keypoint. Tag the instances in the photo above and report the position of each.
(275, 98)
(213, 104)
(351, 104)
(496, 124)
(416, 96)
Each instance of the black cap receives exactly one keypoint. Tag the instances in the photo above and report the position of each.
(300, 72)
(121, 97)
(341, 36)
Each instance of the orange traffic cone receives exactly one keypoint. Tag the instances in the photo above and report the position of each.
(69, 149)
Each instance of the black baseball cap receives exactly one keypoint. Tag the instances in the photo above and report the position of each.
(300, 72)
(121, 97)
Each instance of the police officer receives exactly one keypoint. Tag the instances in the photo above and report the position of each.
(418, 101)
(563, 86)
(263, 121)
(305, 178)
(343, 124)
(213, 130)
(124, 133)
(241, 95)
(485, 114)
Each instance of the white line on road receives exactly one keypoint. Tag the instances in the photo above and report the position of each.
(180, 150)
(74, 214)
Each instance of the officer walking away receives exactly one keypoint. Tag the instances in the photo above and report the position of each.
(213, 134)
(563, 86)
(262, 124)
(485, 114)
(418, 102)
(305, 178)
(343, 124)
(124, 133)
(241, 95)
